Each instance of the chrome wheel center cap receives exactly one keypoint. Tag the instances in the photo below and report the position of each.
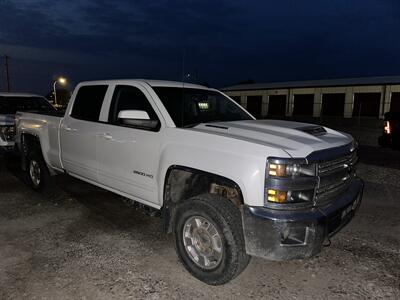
(202, 242)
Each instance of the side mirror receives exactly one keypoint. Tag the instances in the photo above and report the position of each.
(133, 114)
(137, 118)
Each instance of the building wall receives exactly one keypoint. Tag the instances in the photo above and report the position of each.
(385, 92)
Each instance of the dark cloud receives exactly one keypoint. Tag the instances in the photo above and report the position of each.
(224, 41)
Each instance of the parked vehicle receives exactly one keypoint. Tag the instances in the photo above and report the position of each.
(10, 103)
(227, 186)
(391, 130)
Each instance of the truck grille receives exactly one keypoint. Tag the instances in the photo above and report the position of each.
(335, 176)
(7, 133)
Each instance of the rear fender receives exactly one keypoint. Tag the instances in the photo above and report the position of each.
(31, 142)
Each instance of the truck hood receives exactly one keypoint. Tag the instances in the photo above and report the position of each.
(297, 139)
(7, 120)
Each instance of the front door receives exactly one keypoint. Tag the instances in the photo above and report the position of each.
(129, 152)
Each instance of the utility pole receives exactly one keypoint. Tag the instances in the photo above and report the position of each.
(6, 58)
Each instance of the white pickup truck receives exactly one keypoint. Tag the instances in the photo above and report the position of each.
(227, 186)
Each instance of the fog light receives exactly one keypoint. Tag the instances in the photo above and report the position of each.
(287, 197)
(294, 236)
(276, 196)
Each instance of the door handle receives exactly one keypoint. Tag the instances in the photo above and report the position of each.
(105, 136)
(108, 136)
(66, 128)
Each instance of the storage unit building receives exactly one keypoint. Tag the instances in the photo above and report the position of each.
(367, 97)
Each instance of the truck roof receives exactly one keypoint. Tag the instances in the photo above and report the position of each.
(151, 82)
(3, 94)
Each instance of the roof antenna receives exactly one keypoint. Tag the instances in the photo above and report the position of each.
(183, 66)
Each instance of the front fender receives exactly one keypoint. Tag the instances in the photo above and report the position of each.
(246, 172)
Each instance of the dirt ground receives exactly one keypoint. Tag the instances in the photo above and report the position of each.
(87, 243)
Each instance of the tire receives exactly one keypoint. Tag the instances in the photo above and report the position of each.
(228, 257)
(37, 173)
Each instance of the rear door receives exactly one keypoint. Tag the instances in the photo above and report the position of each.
(79, 132)
(129, 153)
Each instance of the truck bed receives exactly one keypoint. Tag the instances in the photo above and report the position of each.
(44, 125)
(54, 113)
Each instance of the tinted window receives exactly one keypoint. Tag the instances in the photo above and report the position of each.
(131, 98)
(88, 102)
(10, 105)
(189, 107)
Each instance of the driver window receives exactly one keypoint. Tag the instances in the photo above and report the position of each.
(131, 98)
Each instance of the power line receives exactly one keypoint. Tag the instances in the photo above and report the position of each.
(6, 58)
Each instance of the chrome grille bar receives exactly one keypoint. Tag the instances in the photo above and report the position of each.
(335, 176)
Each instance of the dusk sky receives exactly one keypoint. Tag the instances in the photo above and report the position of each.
(224, 42)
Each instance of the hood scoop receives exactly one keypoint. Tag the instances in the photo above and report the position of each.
(313, 130)
(296, 139)
(217, 126)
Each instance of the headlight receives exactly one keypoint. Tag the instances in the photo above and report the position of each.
(7, 133)
(289, 181)
(289, 169)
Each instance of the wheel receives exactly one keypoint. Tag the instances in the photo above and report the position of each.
(209, 239)
(38, 175)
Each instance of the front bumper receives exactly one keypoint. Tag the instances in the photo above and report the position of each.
(284, 235)
(7, 147)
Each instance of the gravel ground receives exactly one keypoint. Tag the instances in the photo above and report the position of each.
(87, 243)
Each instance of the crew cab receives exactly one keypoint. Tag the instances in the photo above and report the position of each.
(10, 103)
(227, 186)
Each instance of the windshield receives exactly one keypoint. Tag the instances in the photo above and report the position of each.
(10, 105)
(189, 107)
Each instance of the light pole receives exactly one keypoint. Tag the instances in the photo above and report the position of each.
(60, 80)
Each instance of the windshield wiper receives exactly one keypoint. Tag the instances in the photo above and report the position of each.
(204, 122)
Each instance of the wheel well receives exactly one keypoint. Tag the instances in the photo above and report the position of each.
(183, 183)
(28, 142)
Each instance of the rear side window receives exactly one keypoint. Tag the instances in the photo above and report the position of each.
(88, 102)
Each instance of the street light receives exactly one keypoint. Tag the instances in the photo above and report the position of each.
(62, 81)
